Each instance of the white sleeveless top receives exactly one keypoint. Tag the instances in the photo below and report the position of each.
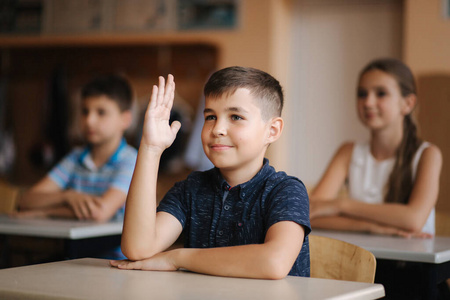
(368, 177)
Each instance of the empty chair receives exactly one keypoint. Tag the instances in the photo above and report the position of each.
(335, 259)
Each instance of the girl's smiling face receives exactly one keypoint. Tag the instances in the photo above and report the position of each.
(380, 103)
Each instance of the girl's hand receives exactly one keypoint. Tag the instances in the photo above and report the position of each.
(389, 230)
(159, 262)
(157, 133)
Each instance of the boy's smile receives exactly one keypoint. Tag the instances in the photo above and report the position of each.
(234, 135)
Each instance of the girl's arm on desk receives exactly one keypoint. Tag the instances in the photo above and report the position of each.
(358, 225)
(408, 217)
(271, 260)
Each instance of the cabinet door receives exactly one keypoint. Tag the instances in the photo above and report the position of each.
(434, 123)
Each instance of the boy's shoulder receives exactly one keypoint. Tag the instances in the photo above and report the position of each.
(267, 178)
(129, 152)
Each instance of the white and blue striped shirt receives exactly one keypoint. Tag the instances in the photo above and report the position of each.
(78, 172)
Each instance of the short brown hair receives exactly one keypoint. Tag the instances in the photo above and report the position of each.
(115, 87)
(266, 89)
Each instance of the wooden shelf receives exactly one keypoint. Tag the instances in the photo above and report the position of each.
(110, 39)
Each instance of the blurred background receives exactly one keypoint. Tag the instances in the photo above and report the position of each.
(50, 48)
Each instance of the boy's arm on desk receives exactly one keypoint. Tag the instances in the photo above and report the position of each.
(47, 199)
(45, 193)
(271, 260)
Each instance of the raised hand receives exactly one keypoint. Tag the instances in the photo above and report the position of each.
(158, 134)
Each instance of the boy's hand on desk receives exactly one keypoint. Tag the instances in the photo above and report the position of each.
(158, 134)
(84, 206)
(158, 262)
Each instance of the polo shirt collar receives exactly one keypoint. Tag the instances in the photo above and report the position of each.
(86, 159)
(250, 185)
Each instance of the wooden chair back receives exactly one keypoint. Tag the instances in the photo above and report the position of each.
(335, 259)
(8, 197)
(442, 223)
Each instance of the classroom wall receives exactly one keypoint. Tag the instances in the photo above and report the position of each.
(427, 51)
(331, 42)
(262, 41)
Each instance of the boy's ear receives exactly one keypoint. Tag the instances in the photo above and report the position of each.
(127, 118)
(275, 129)
(409, 103)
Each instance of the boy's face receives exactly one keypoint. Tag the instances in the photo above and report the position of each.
(102, 120)
(234, 135)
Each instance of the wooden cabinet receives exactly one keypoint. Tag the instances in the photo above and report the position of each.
(30, 65)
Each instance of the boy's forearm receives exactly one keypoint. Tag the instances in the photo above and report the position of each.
(34, 200)
(60, 212)
(247, 261)
(139, 230)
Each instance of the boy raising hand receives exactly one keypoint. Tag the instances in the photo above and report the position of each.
(241, 218)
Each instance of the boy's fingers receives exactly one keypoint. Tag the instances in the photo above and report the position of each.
(161, 90)
(153, 97)
(170, 93)
(175, 126)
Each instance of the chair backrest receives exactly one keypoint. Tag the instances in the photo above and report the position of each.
(335, 259)
(8, 197)
(442, 223)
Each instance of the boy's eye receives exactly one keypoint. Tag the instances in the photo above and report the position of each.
(236, 118)
(209, 118)
(84, 112)
(101, 112)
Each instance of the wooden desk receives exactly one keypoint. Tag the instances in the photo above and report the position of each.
(90, 278)
(433, 256)
(79, 237)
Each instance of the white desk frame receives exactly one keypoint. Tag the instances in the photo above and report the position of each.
(57, 228)
(435, 250)
(90, 278)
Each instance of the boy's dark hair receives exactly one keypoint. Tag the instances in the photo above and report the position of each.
(113, 86)
(263, 87)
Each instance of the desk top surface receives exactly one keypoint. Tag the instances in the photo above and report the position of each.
(90, 278)
(58, 228)
(434, 250)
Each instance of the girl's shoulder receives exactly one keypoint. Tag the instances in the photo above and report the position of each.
(348, 148)
(429, 151)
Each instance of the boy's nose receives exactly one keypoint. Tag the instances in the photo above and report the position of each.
(219, 129)
(89, 119)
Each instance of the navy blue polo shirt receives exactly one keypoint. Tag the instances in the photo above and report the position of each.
(213, 214)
